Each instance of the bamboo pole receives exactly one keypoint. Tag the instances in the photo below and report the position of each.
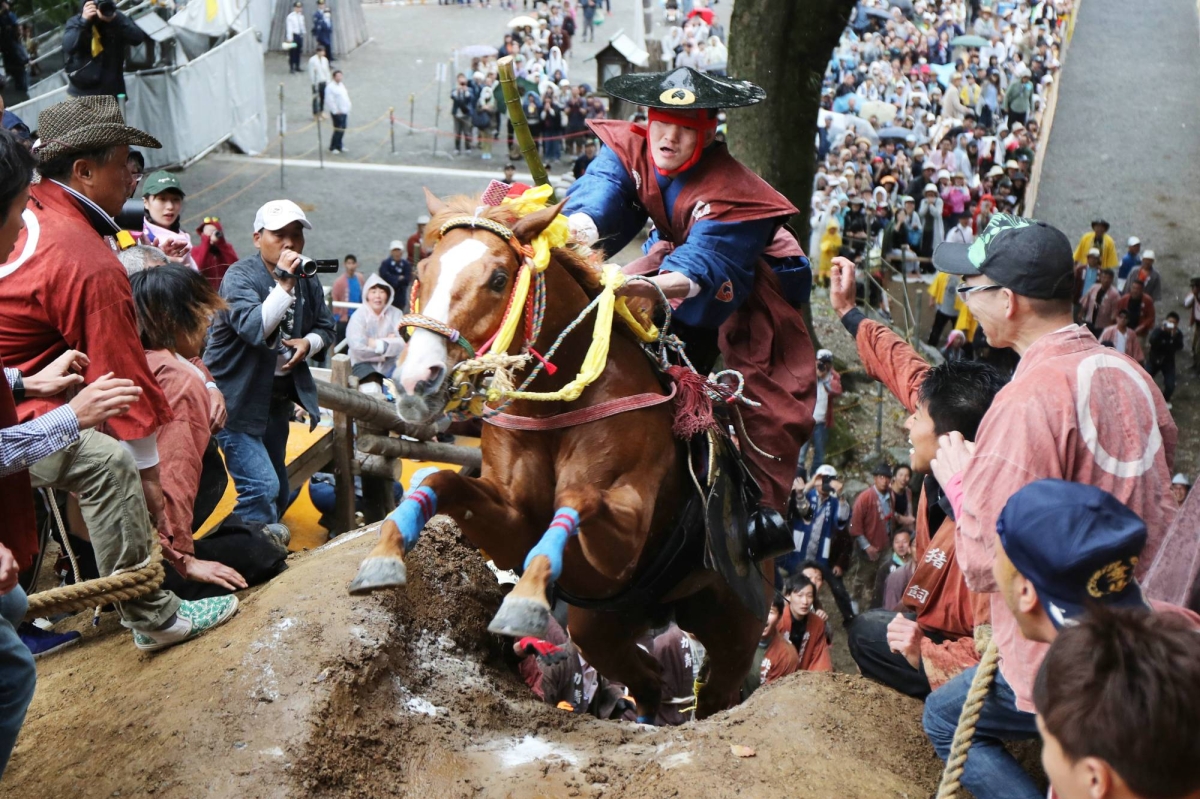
(516, 115)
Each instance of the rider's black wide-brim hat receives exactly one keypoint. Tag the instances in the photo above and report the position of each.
(683, 89)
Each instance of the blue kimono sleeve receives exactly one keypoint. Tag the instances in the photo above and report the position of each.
(606, 193)
(721, 258)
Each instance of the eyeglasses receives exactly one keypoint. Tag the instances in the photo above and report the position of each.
(963, 291)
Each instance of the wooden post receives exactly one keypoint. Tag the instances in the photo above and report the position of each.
(379, 497)
(343, 453)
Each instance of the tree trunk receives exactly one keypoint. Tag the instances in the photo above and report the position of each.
(783, 47)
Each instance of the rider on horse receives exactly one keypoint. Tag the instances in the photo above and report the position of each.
(719, 251)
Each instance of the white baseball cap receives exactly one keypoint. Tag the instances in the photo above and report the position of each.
(1148, 255)
(1094, 251)
(278, 214)
(1134, 240)
(1178, 480)
(824, 355)
(396, 245)
(825, 470)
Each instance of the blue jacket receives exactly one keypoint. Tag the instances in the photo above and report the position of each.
(242, 360)
(829, 521)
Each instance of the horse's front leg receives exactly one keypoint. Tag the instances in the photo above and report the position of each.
(617, 522)
(447, 492)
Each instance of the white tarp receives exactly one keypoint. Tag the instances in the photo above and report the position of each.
(218, 96)
(211, 17)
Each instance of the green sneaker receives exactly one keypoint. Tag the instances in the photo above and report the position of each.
(192, 619)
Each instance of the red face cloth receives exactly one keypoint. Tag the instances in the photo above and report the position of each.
(702, 125)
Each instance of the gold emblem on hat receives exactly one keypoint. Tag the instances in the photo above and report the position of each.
(677, 96)
(1112, 579)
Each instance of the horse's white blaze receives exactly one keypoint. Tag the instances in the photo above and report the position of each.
(427, 350)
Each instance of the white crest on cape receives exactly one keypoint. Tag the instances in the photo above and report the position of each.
(701, 210)
(637, 180)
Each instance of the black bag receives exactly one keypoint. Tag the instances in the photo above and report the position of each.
(87, 76)
(481, 119)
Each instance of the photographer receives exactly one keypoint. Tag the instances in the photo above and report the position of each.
(818, 519)
(257, 353)
(214, 253)
(94, 43)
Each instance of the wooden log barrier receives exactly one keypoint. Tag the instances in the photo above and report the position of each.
(368, 410)
(421, 450)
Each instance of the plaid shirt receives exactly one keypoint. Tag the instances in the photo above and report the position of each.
(23, 445)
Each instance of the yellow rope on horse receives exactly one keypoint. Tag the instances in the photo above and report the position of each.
(596, 358)
(967, 719)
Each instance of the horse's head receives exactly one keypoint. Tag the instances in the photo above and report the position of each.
(464, 285)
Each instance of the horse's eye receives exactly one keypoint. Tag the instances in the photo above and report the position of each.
(498, 280)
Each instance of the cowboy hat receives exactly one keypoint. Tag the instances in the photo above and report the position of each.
(85, 123)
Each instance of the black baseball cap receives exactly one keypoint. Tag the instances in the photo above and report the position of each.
(1077, 544)
(1029, 257)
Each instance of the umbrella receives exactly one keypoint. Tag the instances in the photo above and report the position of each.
(521, 22)
(943, 72)
(478, 51)
(895, 133)
(968, 41)
(705, 14)
(884, 112)
(878, 13)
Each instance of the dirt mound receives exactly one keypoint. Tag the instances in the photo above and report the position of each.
(308, 692)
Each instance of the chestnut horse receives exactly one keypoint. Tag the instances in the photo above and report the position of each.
(586, 506)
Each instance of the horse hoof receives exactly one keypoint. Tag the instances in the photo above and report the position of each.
(520, 617)
(376, 574)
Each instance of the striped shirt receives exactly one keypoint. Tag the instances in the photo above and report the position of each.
(23, 445)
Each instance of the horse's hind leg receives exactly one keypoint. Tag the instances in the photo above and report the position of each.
(730, 633)
(608, 641)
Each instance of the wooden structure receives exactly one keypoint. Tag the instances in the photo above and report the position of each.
(620, 56)
(368, 440)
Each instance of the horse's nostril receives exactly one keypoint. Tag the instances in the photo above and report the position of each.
(432, 382)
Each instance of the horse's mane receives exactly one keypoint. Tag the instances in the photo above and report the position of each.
(579, 261)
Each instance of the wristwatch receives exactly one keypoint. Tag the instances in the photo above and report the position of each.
(18, 389)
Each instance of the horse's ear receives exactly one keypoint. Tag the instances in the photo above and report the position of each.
(528, 227)
(435, 205)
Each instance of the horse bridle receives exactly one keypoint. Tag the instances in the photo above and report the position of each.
(524, 256)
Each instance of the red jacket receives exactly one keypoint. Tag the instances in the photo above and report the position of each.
(213, 260)
(65, 289)
(18, 525)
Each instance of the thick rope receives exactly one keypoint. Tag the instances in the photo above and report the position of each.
(965, 732)
(119, 587)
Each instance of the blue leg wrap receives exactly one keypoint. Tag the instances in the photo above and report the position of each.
(554, 540)
(646, 720)
(413, 514)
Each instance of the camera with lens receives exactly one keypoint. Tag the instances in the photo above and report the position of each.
(310, 267)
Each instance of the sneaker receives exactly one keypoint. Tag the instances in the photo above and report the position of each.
(192, 619)
(280, 533)
(43, 642)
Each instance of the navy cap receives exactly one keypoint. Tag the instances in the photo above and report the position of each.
(1029, 257)
(1076, 543)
